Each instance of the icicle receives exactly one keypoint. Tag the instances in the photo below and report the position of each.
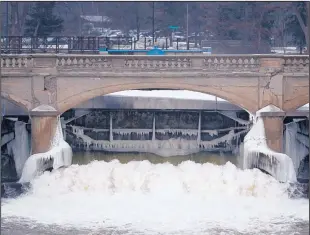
(233, 116)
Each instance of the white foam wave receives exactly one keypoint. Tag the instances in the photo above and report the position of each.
(159, 197)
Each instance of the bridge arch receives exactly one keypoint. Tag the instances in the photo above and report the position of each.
(240, 100)
(297, 102)
(21, 103)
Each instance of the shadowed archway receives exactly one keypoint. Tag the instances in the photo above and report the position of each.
(80, 97)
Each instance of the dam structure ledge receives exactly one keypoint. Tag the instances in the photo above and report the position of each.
(47, 85)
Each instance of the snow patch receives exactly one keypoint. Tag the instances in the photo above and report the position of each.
(269, 108)
(44, 107)
(177, 94)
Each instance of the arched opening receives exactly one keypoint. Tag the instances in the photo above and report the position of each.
(301, 100)
(240, 99)
(157, 125)
(15, 101)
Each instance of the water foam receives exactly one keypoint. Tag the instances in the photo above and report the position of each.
(159, 197)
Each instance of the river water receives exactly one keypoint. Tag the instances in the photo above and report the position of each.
(204, 193)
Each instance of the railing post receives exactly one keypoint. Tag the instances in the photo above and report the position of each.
(145, 43)
(45, 42)
(57, 44)
(130, 40)
(108, 43)
(20, 43)
(98, 43)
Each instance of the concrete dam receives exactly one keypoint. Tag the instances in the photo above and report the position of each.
(116, 123)
(186, 133)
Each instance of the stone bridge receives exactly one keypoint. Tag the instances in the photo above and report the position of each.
(47, 85)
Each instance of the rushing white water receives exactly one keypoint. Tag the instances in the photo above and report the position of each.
(150, 198)
(20, 146)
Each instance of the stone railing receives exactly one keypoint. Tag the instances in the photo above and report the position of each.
(239, 63)
(296, 63)
(16, 61)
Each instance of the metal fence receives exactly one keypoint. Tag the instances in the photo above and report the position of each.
(87, 45)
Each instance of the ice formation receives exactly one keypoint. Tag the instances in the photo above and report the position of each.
(296, 145)
(258, 154)
(226, 139)
(59, 155)
(233, 116)
(164, 148)
(19, 147)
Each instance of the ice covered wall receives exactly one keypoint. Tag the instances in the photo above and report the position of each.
(59, 155)
(257, 154)
(19, 148)
(165, 133)
(296, 141)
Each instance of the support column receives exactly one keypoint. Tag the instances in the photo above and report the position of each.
(274, 132)
(43, 128)
(153, 131)
(199, 129)
(111, 127)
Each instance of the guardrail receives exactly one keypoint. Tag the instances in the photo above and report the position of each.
(228, 63)
(84, 45)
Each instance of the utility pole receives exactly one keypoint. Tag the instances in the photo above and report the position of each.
(153, 23)
(7, 25)
(7, 18)
(308, 13)
(187, 42)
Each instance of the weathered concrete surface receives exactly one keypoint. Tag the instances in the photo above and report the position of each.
(274, 133)
(42, 132)
(65, 81)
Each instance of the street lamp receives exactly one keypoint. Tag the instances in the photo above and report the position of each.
(187, 42)
(153, 23)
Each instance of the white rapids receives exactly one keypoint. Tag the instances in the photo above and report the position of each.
(159, 198)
